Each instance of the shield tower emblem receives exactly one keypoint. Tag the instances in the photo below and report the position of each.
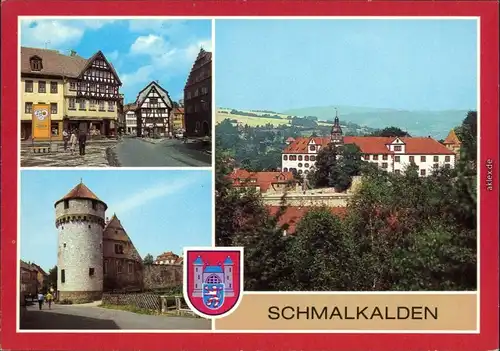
(213, 280)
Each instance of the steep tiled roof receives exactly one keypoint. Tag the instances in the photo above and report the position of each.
(153, 85)
(179, 110)
(263, 180)
(452, 138)
(80, 192)
(375, 145)
(293, 215)
(39, 269)
(26, 266)
(53, 62)
(115, 232)
(129, 107)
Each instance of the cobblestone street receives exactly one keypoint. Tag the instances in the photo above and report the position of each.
(95, 156)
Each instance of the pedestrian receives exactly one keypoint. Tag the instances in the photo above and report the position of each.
(49, 298)
(82, 139)
(40, 300)
(72, 142)
(65, 139)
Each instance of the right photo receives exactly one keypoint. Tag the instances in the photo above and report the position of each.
(346, 152)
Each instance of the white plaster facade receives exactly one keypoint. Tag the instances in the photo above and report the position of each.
(80, 253)
(131, 123)
(395, 158)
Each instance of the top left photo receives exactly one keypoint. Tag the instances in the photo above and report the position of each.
(104, 92)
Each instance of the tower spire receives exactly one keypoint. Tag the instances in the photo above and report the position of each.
(336, 137)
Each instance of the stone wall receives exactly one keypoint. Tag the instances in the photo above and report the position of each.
(161, 276)
(79, 296)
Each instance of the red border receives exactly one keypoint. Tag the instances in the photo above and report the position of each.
(487, 340)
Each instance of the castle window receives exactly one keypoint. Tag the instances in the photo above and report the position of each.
(285, 157)
(422, 172)
(412, 159)
(118, 266)
(66, 204)
(447, 165)
(313, 158)
(118, 249)
(91, 272)
(36, 63)
(94, 205)
(300, 158)
(28, 107)
(64, 245)
(396, 158)
(306, 158)
(312, 148)
(384, 157)
(436, 158)
(422, 158)
(213, 279)
(375, 157)
(384, 165)
(398, 148)
(63, 276)
(130, 267)
(285, 169)
(447, 159)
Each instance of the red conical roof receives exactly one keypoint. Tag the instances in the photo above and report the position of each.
(81, 192)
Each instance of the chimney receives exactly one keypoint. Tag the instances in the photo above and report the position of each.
(72, 53)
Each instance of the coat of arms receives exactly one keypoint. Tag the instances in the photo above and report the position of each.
(213, 279)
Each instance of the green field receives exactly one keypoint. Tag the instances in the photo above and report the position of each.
(256, 121)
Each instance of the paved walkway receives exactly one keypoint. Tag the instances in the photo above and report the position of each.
(136, 152)
(93, 317)
(95, 156)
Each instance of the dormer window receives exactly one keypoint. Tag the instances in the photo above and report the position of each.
(36, 63)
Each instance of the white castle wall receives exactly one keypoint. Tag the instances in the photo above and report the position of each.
(80, 230)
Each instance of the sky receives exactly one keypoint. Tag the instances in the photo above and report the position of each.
(160, 210)
(398, 64)
(141, 50)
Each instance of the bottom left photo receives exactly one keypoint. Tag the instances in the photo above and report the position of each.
(103, 249)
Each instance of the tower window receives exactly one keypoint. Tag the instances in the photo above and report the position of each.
(64, 245)
(63, 275)
(66, 204)
(130, 267)
(94, 205)
(91, 272)
(118, 249)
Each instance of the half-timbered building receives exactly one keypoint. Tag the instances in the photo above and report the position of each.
(82, 93)
(198, 97)
(153, 110)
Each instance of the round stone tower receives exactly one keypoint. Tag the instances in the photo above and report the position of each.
(80, 220)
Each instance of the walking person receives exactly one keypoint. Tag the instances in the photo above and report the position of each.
(65, 139)
(72, 142)
(82, 139)
(40, 300)
(49, 299)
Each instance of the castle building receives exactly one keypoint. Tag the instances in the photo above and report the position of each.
(169, 258)
(122, 267)
(80, 220)
(222, 273)
(82, 93)
(392, 154)
(198, 97)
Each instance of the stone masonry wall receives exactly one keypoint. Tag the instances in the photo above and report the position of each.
(160, 276)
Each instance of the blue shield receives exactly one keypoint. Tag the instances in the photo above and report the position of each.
(213, 295)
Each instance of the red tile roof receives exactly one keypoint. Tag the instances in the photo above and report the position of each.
(263, 180)
(179, 110)
(80, 192)
(293, 215)
(375, 145)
